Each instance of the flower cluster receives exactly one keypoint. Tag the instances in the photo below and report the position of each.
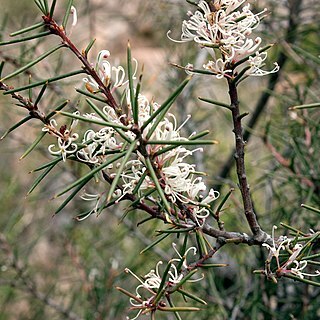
(225, 29)
(147, 290)
(179, 179)
(293, 264)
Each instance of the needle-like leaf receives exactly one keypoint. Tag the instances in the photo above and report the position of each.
(32, 63)
(90, 174)
(33, 145)
(17, 125)
(42, 82)
(34, 36)
(217, 103)
(131, 90)
(163, 109)
(182, 142)
(40, 178)
(72, 195)
(100, 122)
(158, 187)
(120, 170)
(67, 13)
(154, 243)
(53, 5)
(25, 30)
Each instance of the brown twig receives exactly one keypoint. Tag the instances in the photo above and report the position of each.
(240, 163)
(52, 25)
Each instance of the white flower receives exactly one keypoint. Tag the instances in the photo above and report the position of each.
(65, 138)
(109, 75)
(257, 62)
(278, 245)
(299, 267)
(218, 67)
(225, 28)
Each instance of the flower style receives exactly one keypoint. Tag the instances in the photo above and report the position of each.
(65, 138)
(225, 30)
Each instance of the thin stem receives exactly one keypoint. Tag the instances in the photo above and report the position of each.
(57, 30)
(239, 158)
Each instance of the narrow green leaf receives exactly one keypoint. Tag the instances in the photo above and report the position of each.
(163, 109)
(306, 106)
(33, 145)
(307, 55)
(24, 30)
(40, 178)
(296, 278)
(178, 309)
(72, 195)
(105, 118)
(89, 46)
(295, 230)
(90, 174)
(184, 280)
(217, 103)
(201, 242)
(241, 75)
(30, 90)
(129, 294)
(151, 245)
(1, 67)
(58, 108)
(53, 5)
(223, 201)
(32, 63)
(17, 125)
(173, 306)
(42, 82)
(316, 210)
(161, 289)
(100, 122)
(46, 6)
(158, 187)
(40, 6)
(41, 93)
(317, 255)
(66, 15)
(199, 135)
(182, 252)
(212, 265)
(131, 90)
(194, 137)
(191, 296)
(144, 196)
(192, 2)
(93, 96)
(46, 165)
(308, 245)
(182, 142)
(136, 98)
(34, 36)
(120, 170)
(176, 230)
(138, 185)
